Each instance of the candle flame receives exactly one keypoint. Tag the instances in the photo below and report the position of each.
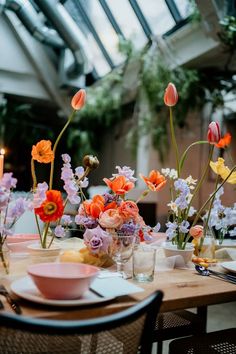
(2, 152)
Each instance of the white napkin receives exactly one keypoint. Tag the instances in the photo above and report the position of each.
(114, 286)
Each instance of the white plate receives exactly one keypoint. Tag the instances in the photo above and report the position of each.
(230, 266)
(25, 288)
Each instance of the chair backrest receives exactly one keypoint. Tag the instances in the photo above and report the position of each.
(122, 332)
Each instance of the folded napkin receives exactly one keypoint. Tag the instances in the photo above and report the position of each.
(226, 253)
(114, 286)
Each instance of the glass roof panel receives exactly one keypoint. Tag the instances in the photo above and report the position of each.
(128, 22)
(104, 29)
(100, 63)
(157, 14)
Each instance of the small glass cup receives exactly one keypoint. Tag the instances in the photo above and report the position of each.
(122, 250)
(144, 258)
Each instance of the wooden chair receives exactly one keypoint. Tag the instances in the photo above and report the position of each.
(122, 332)
(219, 342)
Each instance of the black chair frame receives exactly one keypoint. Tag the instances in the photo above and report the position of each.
(148, 307)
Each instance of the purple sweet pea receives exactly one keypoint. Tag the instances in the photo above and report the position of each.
(60, 231)
(125, 171)
(7, 181)
(40, 194)
(66, 158)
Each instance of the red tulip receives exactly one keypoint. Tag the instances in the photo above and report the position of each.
(213, 135)
(78, 100)
(171, 95)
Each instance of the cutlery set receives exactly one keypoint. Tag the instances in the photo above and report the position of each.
(12, 302)
(208, 272)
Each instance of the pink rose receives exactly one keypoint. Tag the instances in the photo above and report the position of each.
(110, 219)
(196, 231)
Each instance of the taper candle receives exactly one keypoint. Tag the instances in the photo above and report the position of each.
(2, 152)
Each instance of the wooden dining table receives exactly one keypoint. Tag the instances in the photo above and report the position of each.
(183, 289)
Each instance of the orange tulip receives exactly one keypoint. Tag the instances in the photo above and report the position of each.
(155, 181)
(78, 100)
(225, 141)
(52, 208)
(42, 151)
(119, 185)
(171, 95)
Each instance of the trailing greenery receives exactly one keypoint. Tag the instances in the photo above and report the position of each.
(107, 100)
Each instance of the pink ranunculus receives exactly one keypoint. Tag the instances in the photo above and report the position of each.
(196, 231)
(110, 219)
(171, 95)
(213, 135)
(128, 210)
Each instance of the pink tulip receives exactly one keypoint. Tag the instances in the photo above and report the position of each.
(78, 101)
(171, 95)
(213, 135)
(196, 231)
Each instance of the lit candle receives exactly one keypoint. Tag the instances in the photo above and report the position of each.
(2, 152)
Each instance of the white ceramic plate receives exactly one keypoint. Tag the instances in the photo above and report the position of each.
(25, 288)
(230, 266)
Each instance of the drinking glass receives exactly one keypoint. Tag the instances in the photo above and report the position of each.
(122, 250)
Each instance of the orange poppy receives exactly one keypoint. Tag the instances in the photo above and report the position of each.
(119, 185)
(155, 181)
(225, 141)
(78, 100)
(42, 151)
(52, 208)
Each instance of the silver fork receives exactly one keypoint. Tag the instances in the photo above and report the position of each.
(13, 303)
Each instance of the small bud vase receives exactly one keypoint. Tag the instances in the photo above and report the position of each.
(208, 245)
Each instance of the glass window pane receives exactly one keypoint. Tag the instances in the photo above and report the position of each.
(101, 65)
(99, 61)
(104, 29)
(157, 15)
(185, 7)
(128, 22)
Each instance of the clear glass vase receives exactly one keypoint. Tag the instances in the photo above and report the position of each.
(208, 245)
(4, 260)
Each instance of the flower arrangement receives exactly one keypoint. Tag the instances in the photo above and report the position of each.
(10, 211)
(222, 219)
(113, 213)
(48, 204)
(184, 190)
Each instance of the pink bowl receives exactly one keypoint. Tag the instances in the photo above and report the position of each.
(64, 281)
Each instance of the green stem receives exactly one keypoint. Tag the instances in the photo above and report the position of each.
(199, 184)
(33, 174)
(55, 146)
(212, 196)
(211, 204)
(143, 195)
(5, 265)
(183, 157)
(174, 143)
(39, 231)
(44, 236)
